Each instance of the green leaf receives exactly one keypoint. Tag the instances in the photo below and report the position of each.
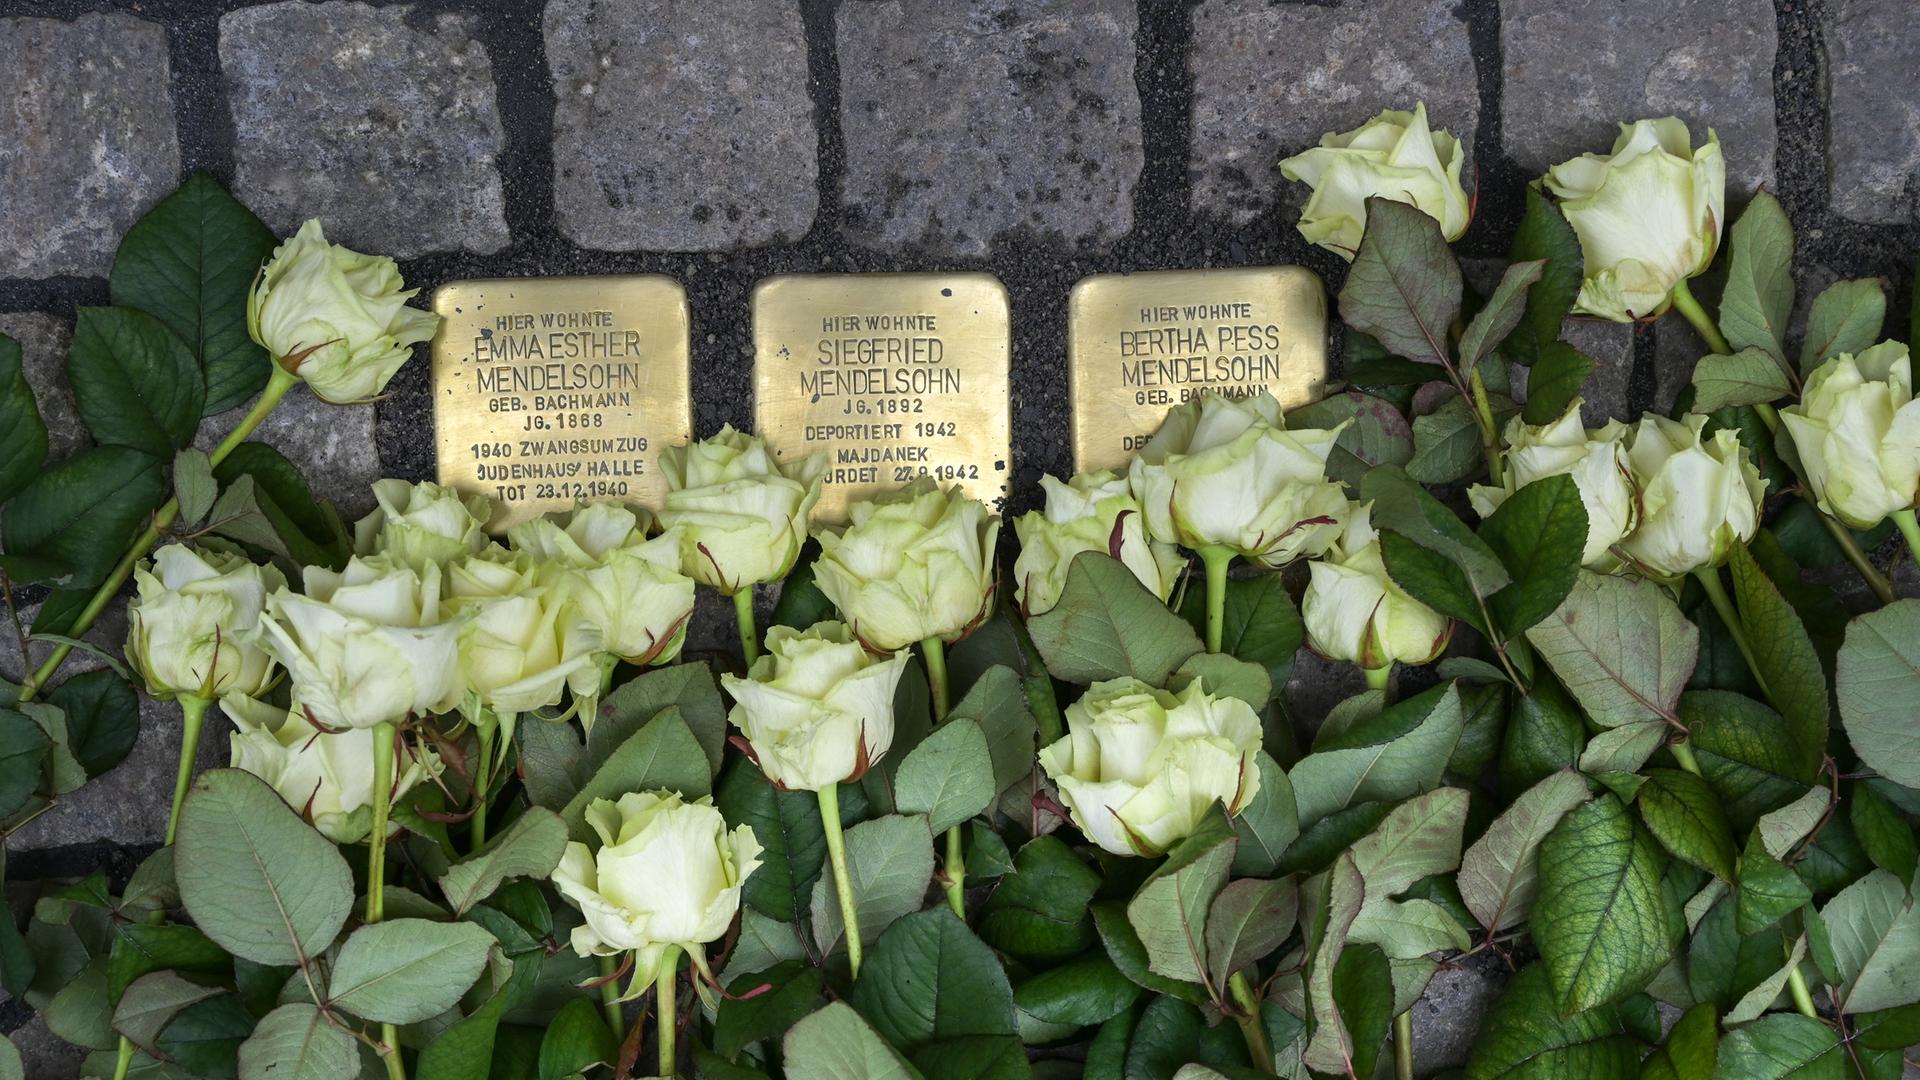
(103, 718)
(74, 519)
(1223, 676)
(530, 848)
(139, 948)
(1876, 943)
(1544, 734)
(1796, 681)
(929, 978)
(1555, 380)
(1769, 890)
(1419, 838)
(1621, 647)
(1331, 1047)
(23, 436)
(1502, 312)
(193, 485)
(1171, 1033)
(1601, 919)
(1764, 993)
(1038, 913)
(637, 702)
(1758, 299)
(404, 971)
(1169, 911)
(1885, 832)
(256, 878)
(1525, 1036)
(1539, 534)
(1877, 680)
(1544, 234)
(205, 1038)
(1446, 444)
(1084, 991)
(746, 1017)
(23, 754)
(465, 1048)
(1259, 623)
(1746, 752)
(663, 755)
(1401, 753)
(1107, 625)
(1748, 377)
(1402, 506)
(1683, 813)
(297, 1042)
(793, 845)
(1404, 285)
(10, 1064)
(151, 1003)
(308, 528)
(577, 1039)
(1249, 919)
(1376, 433)
(836, 1044)
(1691, 1048)
(134, 383)
(974, 1057)
(997, 703)
(1267, 825)
(1499, 874)
(1846, 318)
(890, 863)
(1129, 957)
(1779, 830)
(1363, 995)
(190, 262)
(948, 777)
(1779, 1047)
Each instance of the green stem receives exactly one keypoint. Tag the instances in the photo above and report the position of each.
(125, 1059)
(1690, 309)
(1218, 560)
(1910, 529)
(610, 997)
(743, 617)
(396, 1068)
(277, 387)
(956, 873)
(935, 653)
(1403, 1046)
(1489, 429)
(842, 881)
(1251, 1027)
(1379, 678)
(193, 711)
(936, 656)
(669, 1012)
(1683, 753)
(1709, 578)
(382, 807)
(482, 782)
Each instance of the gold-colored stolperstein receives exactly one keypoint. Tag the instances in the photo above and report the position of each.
(1139, 344)
(891, 375)
(551, 390)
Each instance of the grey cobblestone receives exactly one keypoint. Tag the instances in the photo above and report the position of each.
(380, 122)
(1270, 79)
(965, 121)
(43, 357)
(1874, 105)
(681, 126)
(333, 446)
(1576, 68)
(87, 138)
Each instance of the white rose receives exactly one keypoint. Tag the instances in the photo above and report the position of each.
(1140, 767)
(1395, 156)
(1092, 512)
(1648, 215)
(327, 777)
(741, 516)
(1355, 612)
(422, 523)
(1224, 471)
(336, 318)
(367, 645)
(1698, 497)
(632, 600)
(666, 872)
(517, 651)
(1597, 461)
(1857, 429)
(195, 628)
(914, 564)
(817, 707)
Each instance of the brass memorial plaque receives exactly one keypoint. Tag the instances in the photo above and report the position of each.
(892, 375)
(551, 390)
(1139, 344)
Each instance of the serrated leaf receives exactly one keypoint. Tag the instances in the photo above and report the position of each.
(997, 703)
(1249, 919)
(1363, 996)
(948, 777)
(746, 1017)
(663, 755)
(1764, 993)
(1446, 443)
(1402, 506)
(1748, 377)
(103, 718)
(1796, 682)
(1779, 1047)
(1621, 647)
(404, 971)
(1845, 318)
(1691, 1047)
(1107, 625)
(890, 862)
(193, 485)
(297, 1042)
(1268, 824)
(1038, 913)
(1544, 234)
(530, 848)
(1876, 943)
(1601, 917)
(1527, 1037)
(151, 1002)
(1758, 298)
(1376, 433)
(1884, 832)
(1417, 839)
(1407, 756)
(307, 527)
(1554, 381)
(1169, 911)
(23, 436)
(787, 825)
(1081, 992)
(1877, 680)
(1769, 890)
(1499, 873)
(1129, 957)
(1332, 1046)
(1684, 815)
(576, 1041)
(836, 1044)
(134, 383)
(1502, 312)
(23, 752)
(1539, 533)
(1746, 752)
(1779, 830)
(928, 978)
(73, 520)
(1404, 285)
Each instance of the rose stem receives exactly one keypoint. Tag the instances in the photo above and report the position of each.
(1379, 678)
(610, 996)
(1403, 1046)
(668, 1013)
(482, 781)
(1489, 429)
(1909, 528)
(277, 387)
(1709, 578)
(935, 653)
(743, 616)
(193, 711)
(1218, 560)
(842, 882)
(1251, 1027)
(1684, 302)
(383, 735)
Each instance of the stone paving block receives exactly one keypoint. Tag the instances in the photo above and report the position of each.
(1446, 1019)
(681, 126)
(1873, 137)
(1577, 68)
(333, 446)
(43, 356)
(1270, 79)
(380, 122)
(964, 121)
(87, 139)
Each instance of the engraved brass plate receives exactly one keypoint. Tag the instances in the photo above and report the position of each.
(1139, 344)
(547, 391)
(892, 375)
